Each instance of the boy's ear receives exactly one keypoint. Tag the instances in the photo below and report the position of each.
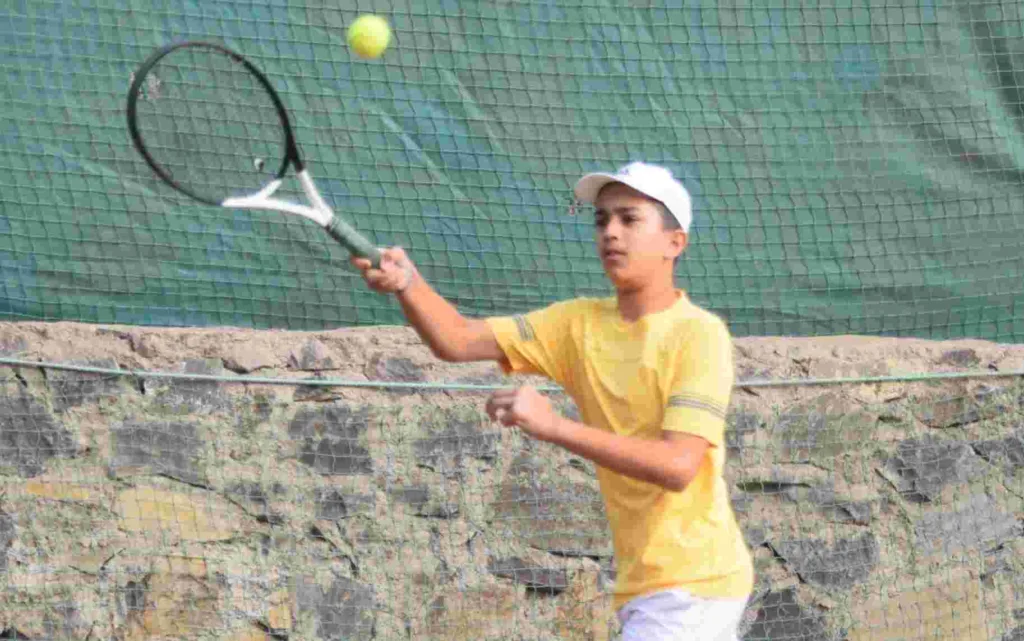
(680, 241)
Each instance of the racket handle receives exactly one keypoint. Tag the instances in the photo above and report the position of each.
(352, 240)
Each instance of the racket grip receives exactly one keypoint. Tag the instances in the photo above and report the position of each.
(352, 240)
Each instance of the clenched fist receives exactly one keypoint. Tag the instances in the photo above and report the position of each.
(525, 408)
(395, 274)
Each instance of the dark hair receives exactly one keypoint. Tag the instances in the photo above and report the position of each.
(668, 221)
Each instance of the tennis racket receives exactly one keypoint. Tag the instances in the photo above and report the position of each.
(210, 124)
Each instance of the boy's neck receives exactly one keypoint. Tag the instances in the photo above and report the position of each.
(655, 297)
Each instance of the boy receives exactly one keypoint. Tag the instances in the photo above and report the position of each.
(651, 374)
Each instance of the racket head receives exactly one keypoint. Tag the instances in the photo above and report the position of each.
(209, 122)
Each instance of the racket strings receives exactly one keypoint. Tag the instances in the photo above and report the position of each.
(213, 128)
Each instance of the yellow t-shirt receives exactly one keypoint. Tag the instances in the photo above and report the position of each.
(671, 370)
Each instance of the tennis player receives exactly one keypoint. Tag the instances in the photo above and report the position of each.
(651, 373)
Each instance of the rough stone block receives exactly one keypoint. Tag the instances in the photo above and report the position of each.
(249, 633)
(186, 396)
(533, 576)
(58, 490)
(331, 439)
(445, 448)
(981, 524)
(344, 611)
(960, 409)
(170, 605)
(247, 358)
(780, 615)
(256, 502)
(740, 424)
(333, 505)
(960, 358)
(29, 435)
(922, 467)
(70, 388)
(423, 504)
(394, 369)
(7, 535)
(317, 393)
(313, 355)
(776, 479)
(585, 611)
(824, 427)
(1016, 634)
(552, 513)
(279, 613)
(1007, 453)
(843, 564)
(12, 345)
(167, 448)
(953, 607)
(195, 516)
(460, 614)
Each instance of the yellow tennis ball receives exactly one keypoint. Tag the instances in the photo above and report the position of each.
(369, 36)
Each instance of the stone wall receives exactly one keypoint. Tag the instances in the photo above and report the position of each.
(163, 508)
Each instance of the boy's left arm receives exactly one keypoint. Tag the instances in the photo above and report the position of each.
(671, 461)
(700, 376)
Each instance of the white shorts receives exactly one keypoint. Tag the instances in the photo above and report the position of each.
(676, 615)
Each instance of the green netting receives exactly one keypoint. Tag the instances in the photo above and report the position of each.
(856, 165)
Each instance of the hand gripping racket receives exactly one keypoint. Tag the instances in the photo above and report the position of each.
(210, 124)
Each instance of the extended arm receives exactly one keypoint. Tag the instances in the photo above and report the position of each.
(449, 335)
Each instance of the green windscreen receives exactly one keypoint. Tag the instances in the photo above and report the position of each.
(856, 166)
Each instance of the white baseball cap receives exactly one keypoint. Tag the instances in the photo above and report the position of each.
(651, 180)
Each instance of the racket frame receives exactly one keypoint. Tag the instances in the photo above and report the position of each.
(319, 211)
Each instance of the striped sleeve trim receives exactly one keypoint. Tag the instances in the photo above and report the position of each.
(525, 328)
(693, 401)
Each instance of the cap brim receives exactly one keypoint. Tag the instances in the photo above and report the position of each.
(589, 186)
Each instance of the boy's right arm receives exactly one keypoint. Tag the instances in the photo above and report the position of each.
(449, 335)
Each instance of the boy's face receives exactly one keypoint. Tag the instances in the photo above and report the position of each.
(632, 242)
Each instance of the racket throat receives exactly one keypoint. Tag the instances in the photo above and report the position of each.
(262, 200)
(341, 231)
(263, 194)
